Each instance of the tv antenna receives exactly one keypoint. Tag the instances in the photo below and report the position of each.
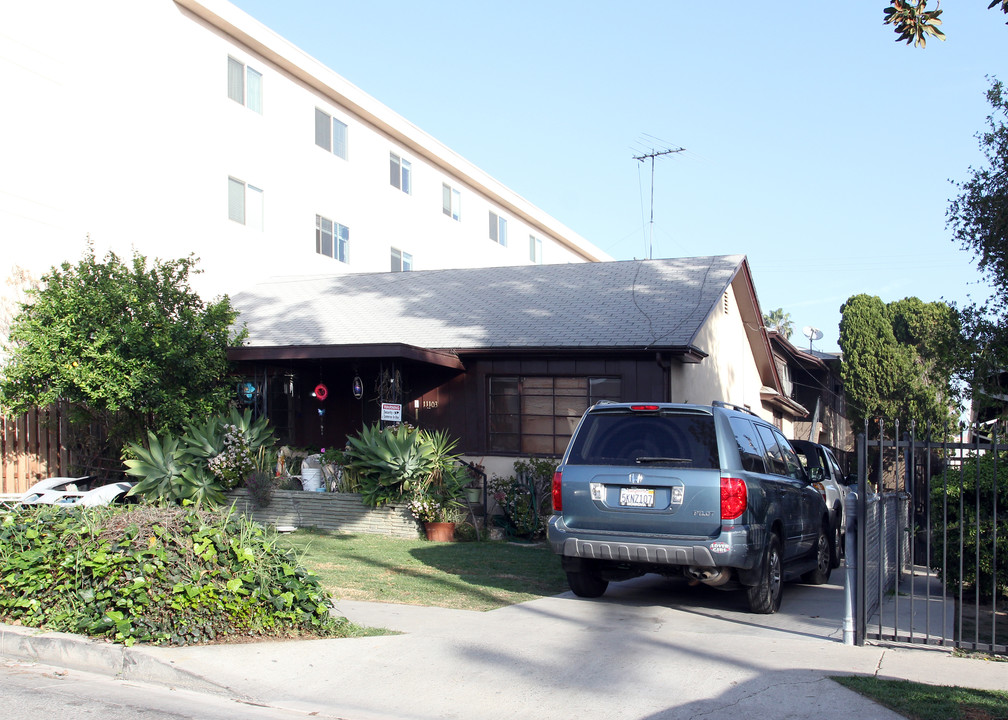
(641, 158)
(812, 334)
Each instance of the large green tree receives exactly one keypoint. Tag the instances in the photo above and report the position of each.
(128, 347)
(978, 218)
(914, 23)
(900, 360)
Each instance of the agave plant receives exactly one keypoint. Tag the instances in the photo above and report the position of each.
(389, 462)
(160, 466)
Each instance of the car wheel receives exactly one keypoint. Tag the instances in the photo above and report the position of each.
(586, 584)
(836, 546)
(824, 561)
(764, 598)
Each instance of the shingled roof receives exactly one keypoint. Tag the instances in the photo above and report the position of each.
(638, 304)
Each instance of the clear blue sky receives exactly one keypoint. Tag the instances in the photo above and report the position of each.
(815, 144)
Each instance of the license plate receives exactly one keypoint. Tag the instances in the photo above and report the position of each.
(636, 497)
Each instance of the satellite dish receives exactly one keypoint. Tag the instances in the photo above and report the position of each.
(812, 334)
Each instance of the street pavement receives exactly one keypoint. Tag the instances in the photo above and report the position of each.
(650, 649)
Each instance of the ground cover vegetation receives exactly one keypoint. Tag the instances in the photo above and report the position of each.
(918, 701)
(158, 575)
(463, 575)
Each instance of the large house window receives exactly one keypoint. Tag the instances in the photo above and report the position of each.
(401, 261)
(245, 85)
(535, 250)
(537, 415)
(498, 228)
(331, 238)
(330, 133)
(451, 201)
(245, 204)
(400, 171)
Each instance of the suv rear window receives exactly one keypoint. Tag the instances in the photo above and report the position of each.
(669, 440)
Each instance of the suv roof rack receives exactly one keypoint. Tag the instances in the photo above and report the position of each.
(732, 406)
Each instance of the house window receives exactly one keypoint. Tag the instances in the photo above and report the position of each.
(537, 415)
(535, 249)
(399, 172)
(498, 228)
(451, 201)
(245, 204)
(330, 134)
(245, 85)
(401, 261)
(331, 238)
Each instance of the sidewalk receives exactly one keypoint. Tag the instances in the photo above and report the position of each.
(651, 648)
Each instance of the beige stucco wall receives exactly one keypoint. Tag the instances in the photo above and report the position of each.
(729, 371)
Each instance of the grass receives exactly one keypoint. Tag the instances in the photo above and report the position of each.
(461, 575)
(930, 702)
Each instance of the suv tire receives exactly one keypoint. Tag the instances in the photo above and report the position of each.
(765, 597)
(824, 560)
(586, 584)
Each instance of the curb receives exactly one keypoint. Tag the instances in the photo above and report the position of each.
(97, 656)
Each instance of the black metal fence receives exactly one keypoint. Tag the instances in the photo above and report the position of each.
(932, 551)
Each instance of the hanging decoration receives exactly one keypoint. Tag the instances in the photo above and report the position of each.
(321, 392)
(358, 387)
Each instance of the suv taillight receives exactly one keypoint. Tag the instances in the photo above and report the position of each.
(733, 497)
(557, 495)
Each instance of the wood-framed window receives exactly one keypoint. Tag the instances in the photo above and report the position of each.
(536, 415)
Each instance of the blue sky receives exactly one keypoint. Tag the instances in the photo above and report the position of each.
(814, 144)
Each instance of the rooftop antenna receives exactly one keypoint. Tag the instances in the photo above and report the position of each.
(641, 158)
(812, 334)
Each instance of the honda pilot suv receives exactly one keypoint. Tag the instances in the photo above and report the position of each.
(713, 493)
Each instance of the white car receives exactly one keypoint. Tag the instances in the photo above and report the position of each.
(85, 491)
(827, 478)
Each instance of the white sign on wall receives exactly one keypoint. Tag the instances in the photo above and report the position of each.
(391, 412)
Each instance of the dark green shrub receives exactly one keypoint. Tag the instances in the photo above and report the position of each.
(525, 498)
(963, 484)
(160, 575)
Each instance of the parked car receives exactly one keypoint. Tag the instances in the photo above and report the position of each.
(86, 491)
(713, 493)
(822, 467)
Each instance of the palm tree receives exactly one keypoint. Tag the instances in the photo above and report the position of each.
(780, 321)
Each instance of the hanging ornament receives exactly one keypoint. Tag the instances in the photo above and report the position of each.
(321, 391)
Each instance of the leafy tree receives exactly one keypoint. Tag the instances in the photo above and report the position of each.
(978, 218)
(913, 22)
(129, 348)
(900, 359)
(780, 321)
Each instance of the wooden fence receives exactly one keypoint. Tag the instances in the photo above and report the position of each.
(32, 447)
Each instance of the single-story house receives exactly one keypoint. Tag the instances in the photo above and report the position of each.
(504, 358)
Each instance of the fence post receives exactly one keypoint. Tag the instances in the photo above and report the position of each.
(851, 543)
(861, 497)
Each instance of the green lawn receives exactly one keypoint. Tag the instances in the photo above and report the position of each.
(929, 702)
(464, 575)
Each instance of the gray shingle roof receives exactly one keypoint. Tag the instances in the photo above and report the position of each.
(632, 304)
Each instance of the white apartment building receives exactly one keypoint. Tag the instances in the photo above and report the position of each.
(181, 126)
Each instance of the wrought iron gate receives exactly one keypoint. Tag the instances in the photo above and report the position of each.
(931, 516)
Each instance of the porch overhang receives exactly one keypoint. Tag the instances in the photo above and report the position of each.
(392, 351)
(771, 397)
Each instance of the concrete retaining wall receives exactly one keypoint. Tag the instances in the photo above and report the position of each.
(343, 512)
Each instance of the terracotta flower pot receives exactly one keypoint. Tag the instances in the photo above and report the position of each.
(440, 531)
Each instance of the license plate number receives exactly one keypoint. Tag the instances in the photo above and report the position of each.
(636, 497)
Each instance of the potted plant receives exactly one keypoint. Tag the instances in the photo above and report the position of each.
(438, 517)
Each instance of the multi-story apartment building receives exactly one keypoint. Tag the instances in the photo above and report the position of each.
(187, 126)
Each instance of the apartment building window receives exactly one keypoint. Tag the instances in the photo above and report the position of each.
(330, 133)
(537, 415)
(245, 85)
(451, 201)
(331, 238)
(401, 261)
(245, 204)
(399, 172)
(498, 228)
(535, 249)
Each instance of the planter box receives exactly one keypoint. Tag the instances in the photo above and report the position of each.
(342, 512)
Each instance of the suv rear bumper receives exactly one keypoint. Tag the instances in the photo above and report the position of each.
(733, 548)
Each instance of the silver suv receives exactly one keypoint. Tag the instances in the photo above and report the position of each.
(714, 493)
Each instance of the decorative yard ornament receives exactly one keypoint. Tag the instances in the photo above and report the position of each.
(358, 387)
(321, 392)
